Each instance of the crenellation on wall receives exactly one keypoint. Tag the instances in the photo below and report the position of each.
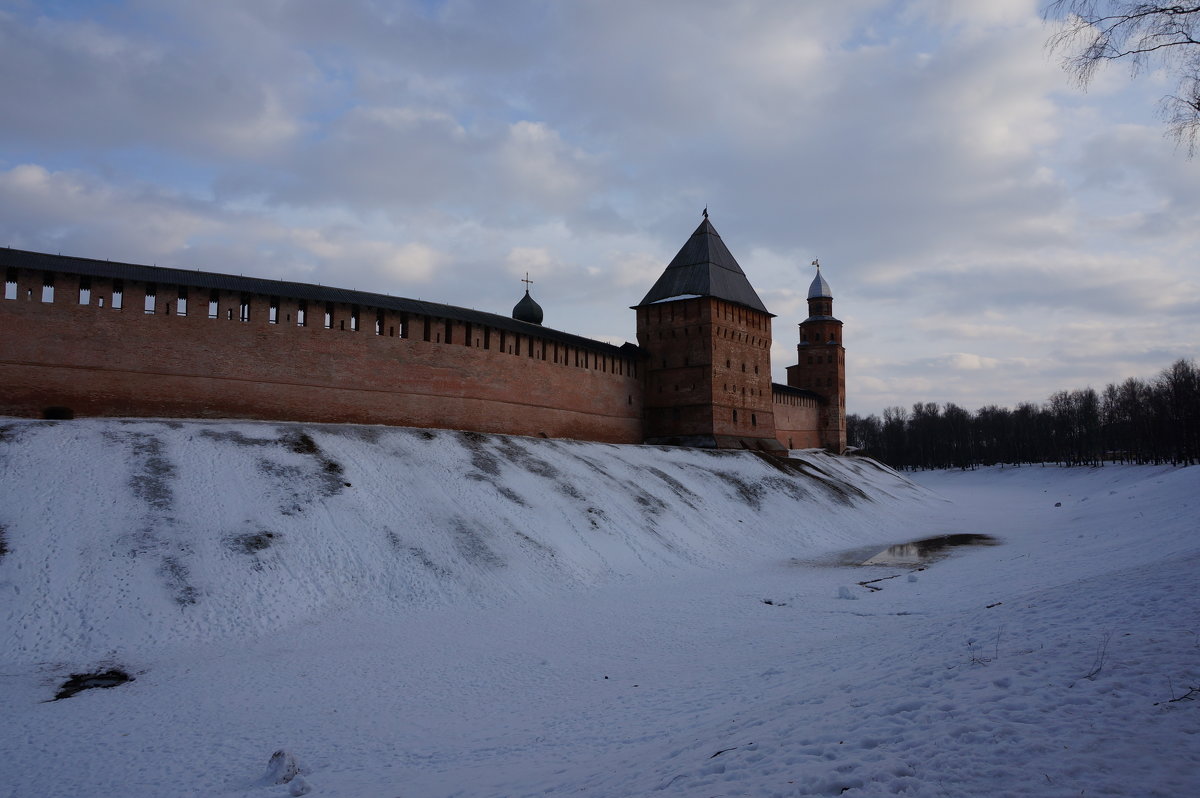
(101, 360)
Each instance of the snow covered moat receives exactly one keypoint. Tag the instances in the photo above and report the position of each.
(371, 611)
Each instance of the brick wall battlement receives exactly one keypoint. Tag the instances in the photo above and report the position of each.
(167, 342)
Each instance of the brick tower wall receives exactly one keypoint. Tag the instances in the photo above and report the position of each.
(420, 371)
(708, 372)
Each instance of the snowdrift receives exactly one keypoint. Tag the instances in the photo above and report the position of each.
(381, 612)
(134, 536)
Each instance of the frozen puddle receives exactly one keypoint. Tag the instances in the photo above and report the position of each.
(927, 550)
(91, 681)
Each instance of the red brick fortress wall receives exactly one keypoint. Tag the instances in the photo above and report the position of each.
(369, 366)
(797, 420)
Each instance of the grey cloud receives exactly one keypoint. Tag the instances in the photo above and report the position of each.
(90, 86)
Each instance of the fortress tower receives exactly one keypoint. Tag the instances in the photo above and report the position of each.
(707, 341)
(821, 363)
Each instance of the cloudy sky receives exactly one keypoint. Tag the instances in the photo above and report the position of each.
(991, 233)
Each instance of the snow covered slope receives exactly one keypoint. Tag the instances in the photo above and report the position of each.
(129, 536)
(499, 617)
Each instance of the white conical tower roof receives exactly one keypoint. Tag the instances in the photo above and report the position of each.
(819, 288)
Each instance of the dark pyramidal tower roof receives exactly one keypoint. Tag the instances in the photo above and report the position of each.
(705, 267)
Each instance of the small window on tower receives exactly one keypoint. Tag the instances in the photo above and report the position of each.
(10, 284)
(214, 305)
(181, 301)
(48, 287)
(85, 290)
(273, 311)
(151, 296)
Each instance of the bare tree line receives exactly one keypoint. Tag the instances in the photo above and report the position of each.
(1136, 421)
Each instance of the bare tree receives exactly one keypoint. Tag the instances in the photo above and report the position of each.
(1144, 35)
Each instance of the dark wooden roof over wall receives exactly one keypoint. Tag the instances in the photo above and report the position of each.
(801, 392)
(65, 264)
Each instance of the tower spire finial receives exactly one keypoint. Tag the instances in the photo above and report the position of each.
(817, 262)
(706, 210)
(527, 282)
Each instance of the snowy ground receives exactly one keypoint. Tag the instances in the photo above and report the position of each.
(491, 616)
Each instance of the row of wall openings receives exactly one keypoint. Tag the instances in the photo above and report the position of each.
(816, 338)
(753, 418)
(540, 350)
(10, 286)
(728, 364)
(150, 302)
(355, 318)
(670, 308)
(785, 399)
(583, 358)
(739, 315)
(726, 332)
(47, 293)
